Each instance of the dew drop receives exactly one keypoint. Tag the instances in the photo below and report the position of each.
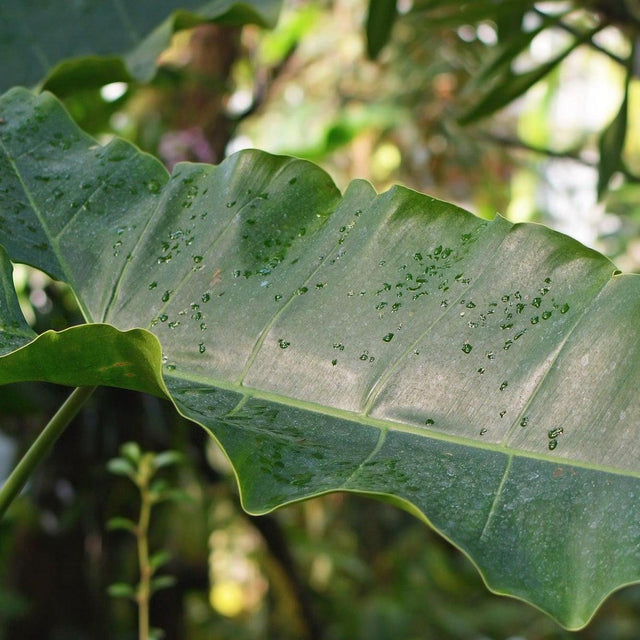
(206, 297)
(338, 345)
(334, 362)
(503, 413)
(300, 290)
(524, 422)
(466, 347)
(163, 317)
(483, 431)
(364, 356)
(202, 347)
(283, 343)
(197, 259)
(230, 204)
(481, 370)
(536, 302)
(535, 320)
(553, 444)
(166, 295)
(546, 315)
(153, 285)
(504, 385)
(565, 308)
(429, 422)
(388, 337)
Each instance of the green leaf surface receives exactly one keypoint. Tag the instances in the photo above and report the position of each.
(96, 354)
(14, 330)
(481, 374)
(104, 40)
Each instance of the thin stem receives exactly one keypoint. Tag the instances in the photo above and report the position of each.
(142, 531)
(42, 445)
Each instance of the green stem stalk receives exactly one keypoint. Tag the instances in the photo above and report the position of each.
(142, 532)
(42, 445)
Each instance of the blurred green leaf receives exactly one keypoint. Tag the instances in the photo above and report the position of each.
(162, 582)
(84, 44)
(121, 590)
(453, 13)
(159, 559)
(611, 143)
(131, 451)
(509, 85)
(167, 458)
(501, 58)
(381, 17)
(121, 523)
(121, 467)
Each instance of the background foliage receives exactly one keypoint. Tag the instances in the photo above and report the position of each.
(340, 566)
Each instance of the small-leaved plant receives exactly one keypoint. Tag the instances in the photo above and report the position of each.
(142, 469)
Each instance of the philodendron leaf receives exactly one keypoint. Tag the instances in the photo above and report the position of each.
(14, 330)
(113, 40)
(481, 374)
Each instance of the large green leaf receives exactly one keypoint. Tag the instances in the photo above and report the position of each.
(481, 374)
(61, 41)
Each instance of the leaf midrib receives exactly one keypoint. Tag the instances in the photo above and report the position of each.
(386, 425)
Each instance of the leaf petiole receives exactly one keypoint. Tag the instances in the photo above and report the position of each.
(42, 445)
